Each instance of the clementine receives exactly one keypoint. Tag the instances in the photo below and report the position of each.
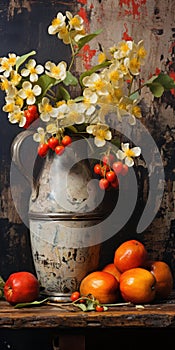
(130, 254)
(163, 276)
(102, 285)
(137, 286)
(111, 268)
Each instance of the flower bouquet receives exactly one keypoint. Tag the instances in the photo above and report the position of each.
(110, 88)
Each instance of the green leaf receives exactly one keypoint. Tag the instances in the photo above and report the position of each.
(151, 80)
(90, 305)
(88, 38)
(105, 308)
(70, 79)
(158, 84)
(93, 70)
(33, 303)
(62, 94)
(79, 99)
(156, 89)
(166, 81)
(23, 58)
(46, 83)
(73, 129)
(81, 306)
(134, 95)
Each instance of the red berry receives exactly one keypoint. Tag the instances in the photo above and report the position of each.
(66, 140)
(59, 150)
(104, 170)
(43, 149)
(108, 159)
(97, 169)
(103, 184)
(117, 167)
(29, 118)
(53, 142)
(99, 308)
(75, 295)
(110, 175)
(115, 183)
(33, 110)
(124, 170)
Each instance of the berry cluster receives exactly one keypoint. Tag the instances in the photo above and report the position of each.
(87, 303)
(55, 144)
(31, 114)
(108, 170)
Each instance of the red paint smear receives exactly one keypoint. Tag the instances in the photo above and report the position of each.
(171, 47)
(83, 14)
(157, 71)
(172, 75)
(131, 7)
(125, 35)
(87, 54)
(82, 1)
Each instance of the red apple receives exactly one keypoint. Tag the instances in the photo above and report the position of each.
(21, 287)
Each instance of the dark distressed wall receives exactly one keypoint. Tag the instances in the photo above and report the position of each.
(23, 27)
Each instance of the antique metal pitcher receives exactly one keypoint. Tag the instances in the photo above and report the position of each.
(63, 214)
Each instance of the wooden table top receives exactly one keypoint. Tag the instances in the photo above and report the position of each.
(66, 316)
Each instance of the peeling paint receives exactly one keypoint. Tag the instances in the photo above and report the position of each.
(132, 7)
(83, 13)
(125, 35)
(82, 1)
(17, 5)
(87, 54)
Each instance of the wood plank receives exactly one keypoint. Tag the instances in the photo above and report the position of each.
(67, 316)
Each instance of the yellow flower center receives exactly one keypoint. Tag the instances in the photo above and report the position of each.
(101, 134)
(19, 101)
(135, 64)
(118, 93)
(55, 70)
(129, 153)
(29, 93)
(99, 84)
(12, 61)
(63, 31)
(56, 22)
(32, 70)
(9, 108)
(75, 22)
(101, 57)
(114, 76)
(124, 47)
(86, 100)
(18, 116)
(136, 111)
(6, 65)
(4, 85)
(60, 103)
(15, 79)
(47, 108)
(142, 52)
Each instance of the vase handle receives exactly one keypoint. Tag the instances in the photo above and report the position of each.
(16, 148)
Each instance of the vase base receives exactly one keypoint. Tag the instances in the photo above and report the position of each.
(57, 297)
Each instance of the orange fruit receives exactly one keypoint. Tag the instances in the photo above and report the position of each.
(129, 255)
(137, 286)
(102, 285)
(111, 268)
(163, 276)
